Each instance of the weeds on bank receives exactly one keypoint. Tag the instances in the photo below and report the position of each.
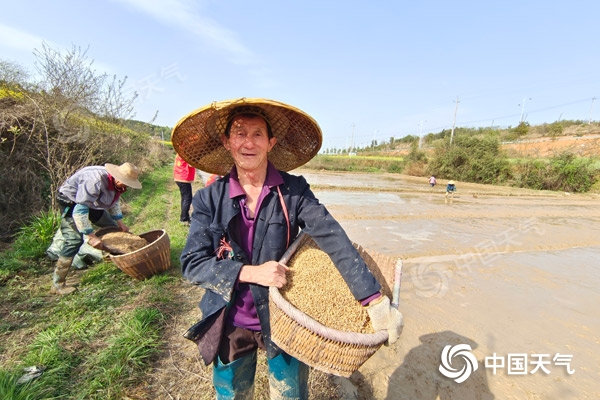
(31, 243)
(99, 341)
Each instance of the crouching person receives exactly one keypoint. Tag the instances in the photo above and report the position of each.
(89, 196)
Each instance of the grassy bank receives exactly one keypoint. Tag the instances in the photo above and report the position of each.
(356, 163)
(99, 341)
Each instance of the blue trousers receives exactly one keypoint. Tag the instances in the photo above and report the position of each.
(288, 378)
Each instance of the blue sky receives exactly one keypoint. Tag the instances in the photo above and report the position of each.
(363, 70)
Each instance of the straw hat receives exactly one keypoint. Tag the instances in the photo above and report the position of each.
(126, 173)
(450, 182)
(197, 136)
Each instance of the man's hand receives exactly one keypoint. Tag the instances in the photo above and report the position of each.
(122, 226)
(270, 273)
(385, 317)
(95, 242)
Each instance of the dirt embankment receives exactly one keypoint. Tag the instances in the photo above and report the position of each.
(583, 146)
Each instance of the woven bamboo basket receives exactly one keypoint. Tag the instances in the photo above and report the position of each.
(150, 259)
(329, 350)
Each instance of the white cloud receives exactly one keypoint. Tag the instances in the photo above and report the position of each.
(19, 40)
(24, 41)
(184, 14)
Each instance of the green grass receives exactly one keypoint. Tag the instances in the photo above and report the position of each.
(357, 163)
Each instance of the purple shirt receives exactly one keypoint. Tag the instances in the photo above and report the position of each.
(242, 312)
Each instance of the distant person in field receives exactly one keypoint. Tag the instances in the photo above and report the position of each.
(432, 181)
(89, 196)
(450, 189)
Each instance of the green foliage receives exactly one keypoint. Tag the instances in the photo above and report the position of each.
(11, 390)
(563, 172)
(416, 160)
(522, 129)
(416, 154)
(395, 167)
(34, 238)
(574, 174)
(555, 129)
(162, 132)
(408, 139)
(471, 159)
(356, 163)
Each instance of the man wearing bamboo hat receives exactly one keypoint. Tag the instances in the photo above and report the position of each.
(243, 223)
(87, 197)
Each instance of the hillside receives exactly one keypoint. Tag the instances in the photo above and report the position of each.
(540, 147)
(541, 141)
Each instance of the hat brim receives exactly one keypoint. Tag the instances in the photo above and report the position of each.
(197, 137)
(116, 173)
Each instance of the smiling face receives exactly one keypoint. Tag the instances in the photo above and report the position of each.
(249, 143)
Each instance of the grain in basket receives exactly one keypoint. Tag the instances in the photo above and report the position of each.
(316, 288)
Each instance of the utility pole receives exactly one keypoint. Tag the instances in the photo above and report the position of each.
(373, 142)
(592, 106)
(352, 141)
(523, 109)
(454, 122)
(421, 134)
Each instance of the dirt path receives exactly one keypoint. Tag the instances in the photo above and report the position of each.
(179, 373)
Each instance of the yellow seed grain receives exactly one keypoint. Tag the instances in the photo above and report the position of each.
(316, 288)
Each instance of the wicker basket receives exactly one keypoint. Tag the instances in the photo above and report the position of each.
(150, 259)
(329, 350)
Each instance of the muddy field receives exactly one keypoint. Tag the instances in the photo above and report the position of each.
(514, 274)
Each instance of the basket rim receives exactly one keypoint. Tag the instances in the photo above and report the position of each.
(304, 320)
(164, 232)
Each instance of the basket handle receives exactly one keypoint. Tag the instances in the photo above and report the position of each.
(397, 282)
(292, 249)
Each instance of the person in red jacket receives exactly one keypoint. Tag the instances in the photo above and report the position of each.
(184, 174)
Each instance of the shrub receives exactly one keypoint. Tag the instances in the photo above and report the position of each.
(563, 172)
(471, 159)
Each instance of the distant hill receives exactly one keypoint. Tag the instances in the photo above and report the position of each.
(156, 131)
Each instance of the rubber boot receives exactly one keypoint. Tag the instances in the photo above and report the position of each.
(288, 378)
(235, 381)
(59, 284)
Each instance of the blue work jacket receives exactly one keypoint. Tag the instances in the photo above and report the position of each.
(214, 218)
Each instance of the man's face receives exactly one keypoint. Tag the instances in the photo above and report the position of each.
(120, 185)
(249, 143)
